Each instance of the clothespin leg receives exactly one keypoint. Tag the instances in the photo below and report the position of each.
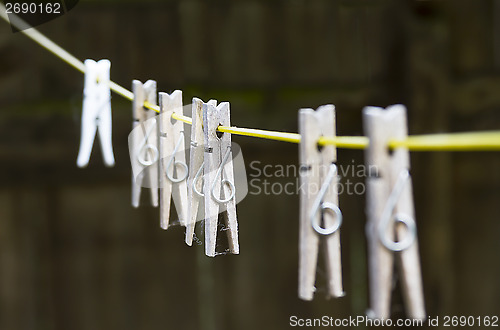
(231, 222)
(227, 180)
(380, 260)
(179, 195)
(196, 153)
(153, 169)
(105, 136)
(192, 213)
(87, 137)
(166, 195)
(332, 246)
(409, 264)
(308, 243)
(211, 186)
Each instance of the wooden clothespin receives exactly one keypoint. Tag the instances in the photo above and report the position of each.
(144, 146)
(96, 112)
(320, 216)
(391, 229)
(172, 159)
(218, 186)
(195, 179)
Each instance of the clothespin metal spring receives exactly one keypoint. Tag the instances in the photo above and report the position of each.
(408, 221)
(195, 180)
(175, 163)
(326, 206)
(223, 181)
(145, 147)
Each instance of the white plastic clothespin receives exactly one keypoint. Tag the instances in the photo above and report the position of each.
(96, 112)
(173, 167)
(195, 179)
(218, 187)
(320, 216)
(391, 229)
(145, 145)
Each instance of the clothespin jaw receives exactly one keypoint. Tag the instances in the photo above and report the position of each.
(96, 112)
(390, 214)
(195, 179)
(172, 159)
(218, 186)
(144, 145)
(318, 169)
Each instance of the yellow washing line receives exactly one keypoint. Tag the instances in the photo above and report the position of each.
(477, 141)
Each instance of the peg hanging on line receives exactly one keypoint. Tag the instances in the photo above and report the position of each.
(173, 167)
(96, 113)
(390, 214)
(318, 169)
(143, 146)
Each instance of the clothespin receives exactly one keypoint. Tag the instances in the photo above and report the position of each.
(320, 216)
(96, 112)
(195, 179)
(391, 228)
(145, 145)
(218, 186)
(172, 159)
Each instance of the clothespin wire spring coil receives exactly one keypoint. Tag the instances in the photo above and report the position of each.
(408, 221)
(143, 150)
(223, 181)
(172, 161)
(326, 206)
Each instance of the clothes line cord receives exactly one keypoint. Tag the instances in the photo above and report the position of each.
(474, 141)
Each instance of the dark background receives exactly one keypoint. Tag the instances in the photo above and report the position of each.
(75, 255)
